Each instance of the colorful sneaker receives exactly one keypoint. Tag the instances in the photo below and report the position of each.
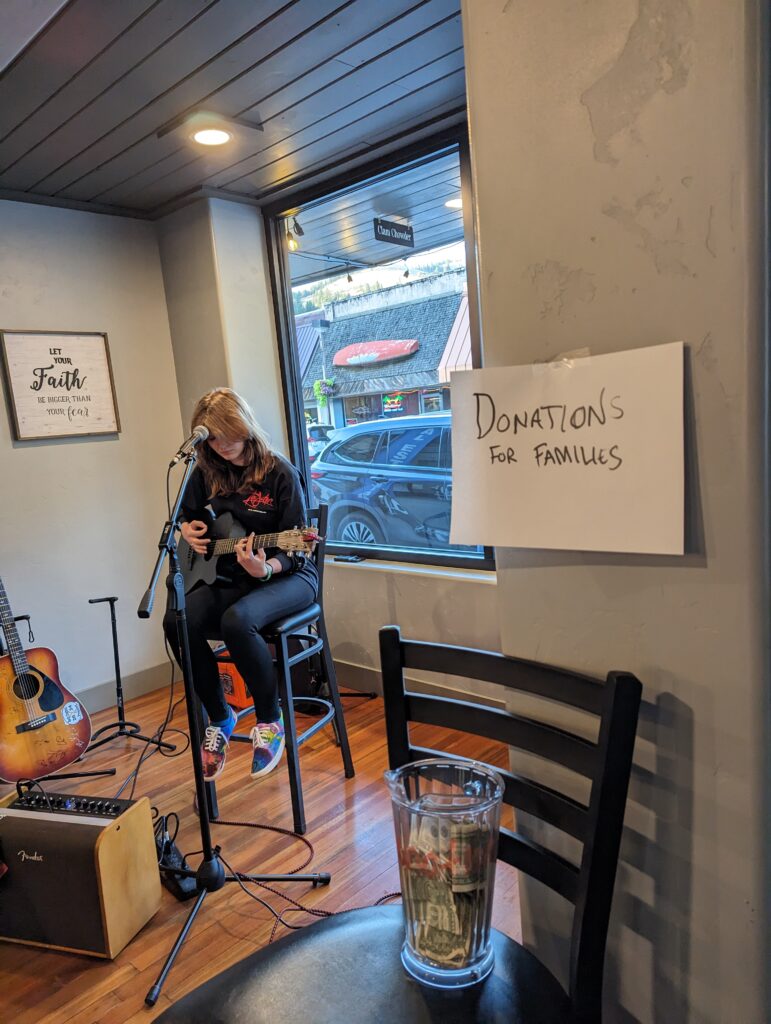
(267, 746)
(214, 750)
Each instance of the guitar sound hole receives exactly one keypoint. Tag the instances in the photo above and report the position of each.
(26, 686)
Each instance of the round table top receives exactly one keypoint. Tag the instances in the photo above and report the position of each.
(347, 968)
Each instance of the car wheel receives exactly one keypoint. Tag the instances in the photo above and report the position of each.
(358, 528)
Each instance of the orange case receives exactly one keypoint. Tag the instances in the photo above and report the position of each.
(236, 693)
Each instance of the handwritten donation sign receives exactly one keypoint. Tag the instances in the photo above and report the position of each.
(584, 454)
(60, 385)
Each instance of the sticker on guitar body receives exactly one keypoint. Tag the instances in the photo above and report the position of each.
(71, 713)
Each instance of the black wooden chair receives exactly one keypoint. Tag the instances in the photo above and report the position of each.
(597, 825)
(305, 632)
(346, 969)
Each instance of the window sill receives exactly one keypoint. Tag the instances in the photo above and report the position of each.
(444, 572)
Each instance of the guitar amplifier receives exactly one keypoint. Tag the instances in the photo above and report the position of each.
(77, 873)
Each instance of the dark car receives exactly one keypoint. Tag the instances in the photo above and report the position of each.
(388, 482)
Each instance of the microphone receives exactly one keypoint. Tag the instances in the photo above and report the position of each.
(199, 434)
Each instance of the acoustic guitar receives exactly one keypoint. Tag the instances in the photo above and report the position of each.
(43, 727)
(224, 530)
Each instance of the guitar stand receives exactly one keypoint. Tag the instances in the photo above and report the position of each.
(17, 618)
(122, 728)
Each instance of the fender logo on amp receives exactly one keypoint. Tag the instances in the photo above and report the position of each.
(30, 856)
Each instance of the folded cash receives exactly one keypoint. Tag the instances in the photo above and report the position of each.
(468, 855)
(445, 879)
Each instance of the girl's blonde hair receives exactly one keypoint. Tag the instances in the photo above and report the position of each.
(225, 414)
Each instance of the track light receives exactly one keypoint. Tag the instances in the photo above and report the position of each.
(291, 242)
(297, 229)
(349, 278)
(406, 273)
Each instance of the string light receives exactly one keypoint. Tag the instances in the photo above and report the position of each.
(291, 242)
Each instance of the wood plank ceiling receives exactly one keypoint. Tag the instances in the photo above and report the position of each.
(92, 110)
(338, 234)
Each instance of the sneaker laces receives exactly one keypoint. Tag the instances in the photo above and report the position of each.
(263, 732)
(211, 738)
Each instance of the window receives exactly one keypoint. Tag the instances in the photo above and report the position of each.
(373, 298)
(416, 447)
(360, 448)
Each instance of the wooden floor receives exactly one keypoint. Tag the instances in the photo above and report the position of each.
(349, 824)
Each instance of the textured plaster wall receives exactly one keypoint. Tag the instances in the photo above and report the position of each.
(615, 160)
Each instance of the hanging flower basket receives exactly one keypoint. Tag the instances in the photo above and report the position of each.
(322, 389)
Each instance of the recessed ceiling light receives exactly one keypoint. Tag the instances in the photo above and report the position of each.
(212, 137)
(455, 204)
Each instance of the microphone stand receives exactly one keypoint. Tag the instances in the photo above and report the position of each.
(210, 875)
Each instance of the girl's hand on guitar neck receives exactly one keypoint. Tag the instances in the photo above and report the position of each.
(194, 533)
(253, 562)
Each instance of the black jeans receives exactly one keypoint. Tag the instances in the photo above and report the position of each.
(235, 614)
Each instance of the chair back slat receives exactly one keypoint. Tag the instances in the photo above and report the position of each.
(571, 688)
(524, 733)
(538, 862)
(618, 726)
(555, 808)
(606, 763)
(317, 517)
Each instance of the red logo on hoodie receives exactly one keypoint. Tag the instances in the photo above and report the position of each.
(258, 500)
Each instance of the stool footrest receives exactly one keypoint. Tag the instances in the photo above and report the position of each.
(327, 717)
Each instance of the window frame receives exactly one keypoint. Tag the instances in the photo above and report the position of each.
(280, 282)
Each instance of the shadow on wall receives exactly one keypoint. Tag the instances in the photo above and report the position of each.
(661, 859)
(651, 913)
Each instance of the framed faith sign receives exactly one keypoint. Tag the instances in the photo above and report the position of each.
(59, 384)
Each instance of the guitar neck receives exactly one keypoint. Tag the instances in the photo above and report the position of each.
(16, 651)
(227, 545)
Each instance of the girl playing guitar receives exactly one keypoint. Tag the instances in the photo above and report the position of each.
(237, 472)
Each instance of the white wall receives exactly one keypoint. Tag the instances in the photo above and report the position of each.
(615, 164)
(246, 308)
(455, 607)
(81, 517)
(192, 298)
(220, 309)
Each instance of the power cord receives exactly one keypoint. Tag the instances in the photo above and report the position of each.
(163, 729)
(295, 907)
(179, 884)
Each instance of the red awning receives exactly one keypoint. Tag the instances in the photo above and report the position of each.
(368, 353)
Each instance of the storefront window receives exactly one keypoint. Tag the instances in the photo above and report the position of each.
(431, 401)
